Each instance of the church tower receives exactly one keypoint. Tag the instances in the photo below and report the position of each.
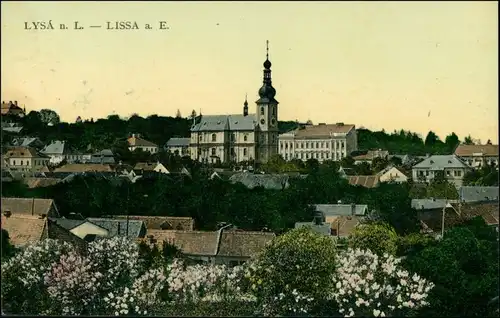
(267, 116)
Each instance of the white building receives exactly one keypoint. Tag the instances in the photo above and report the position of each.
(452, 168)
(239, 137)
(321, 142)
(25, 159)
(136, 142)
(478, 155)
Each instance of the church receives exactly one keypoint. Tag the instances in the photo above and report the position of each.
(239, 137)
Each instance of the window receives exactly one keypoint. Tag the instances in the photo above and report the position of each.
(214, 137)
(307, 145)
(213, 151)
(22, 162)
(286, 146)
(427, 173)
(281, 145)
(274, 111)
(244, 151)
(200, 137)
(233, 153)
(327, 155)
(233, 136)
(458, 173)
(317, 145)
(296, 145)
(245, 138)
(262, 111)
(322, 155)
(448, 173)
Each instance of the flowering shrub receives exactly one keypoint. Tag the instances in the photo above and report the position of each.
(64, 282)
(366, 285)
(293, 272)
(212, 283)
(23, 275)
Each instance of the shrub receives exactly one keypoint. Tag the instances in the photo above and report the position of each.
(379, 238)
(366, 285)
(293, 273)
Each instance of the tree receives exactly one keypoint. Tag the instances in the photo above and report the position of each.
(49, 117)
(451, 142)
(431, 140)
(468, 140)
(464, 267)
(193, 114)
(379, 238)
(379, 164)
(7, 248)
(178, 114)
(299, 260)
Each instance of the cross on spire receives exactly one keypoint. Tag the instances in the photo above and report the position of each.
(267, 49)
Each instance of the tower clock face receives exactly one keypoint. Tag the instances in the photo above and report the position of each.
(262, 121)
(273, 122)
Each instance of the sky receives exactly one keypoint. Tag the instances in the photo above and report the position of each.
(417, 66)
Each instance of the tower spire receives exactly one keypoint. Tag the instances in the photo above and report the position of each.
(245, 106)
(267, 49)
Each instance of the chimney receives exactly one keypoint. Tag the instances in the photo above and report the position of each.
(353, 209)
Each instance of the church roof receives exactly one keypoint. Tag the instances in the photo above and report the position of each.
(235, 122)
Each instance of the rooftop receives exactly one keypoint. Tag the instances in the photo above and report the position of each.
(441, 162)
(365, 181)
(23, 229)
(470, 150)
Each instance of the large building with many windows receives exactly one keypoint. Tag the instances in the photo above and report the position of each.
(321, 142)
(239, 137)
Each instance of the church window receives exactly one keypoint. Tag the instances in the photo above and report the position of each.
(213, 151)
(233, 153)
(233, 136)
(245, 138)
(244, 151)
(262, 111)
(214, 137)
(286, 146)
(274, 111)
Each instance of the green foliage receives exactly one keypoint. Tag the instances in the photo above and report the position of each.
(486, 176)
(414, 243)
(380, 238)
(8, 249)
(464, 267)
(300, 260)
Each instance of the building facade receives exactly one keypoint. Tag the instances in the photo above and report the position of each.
(450, 167)
(321, 142)
(136, 142)
(25, 159)
(239, 137)
(478, 155)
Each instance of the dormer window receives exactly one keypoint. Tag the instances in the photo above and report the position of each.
(432, 162)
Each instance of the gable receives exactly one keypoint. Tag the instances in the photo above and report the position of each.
(87, 228)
